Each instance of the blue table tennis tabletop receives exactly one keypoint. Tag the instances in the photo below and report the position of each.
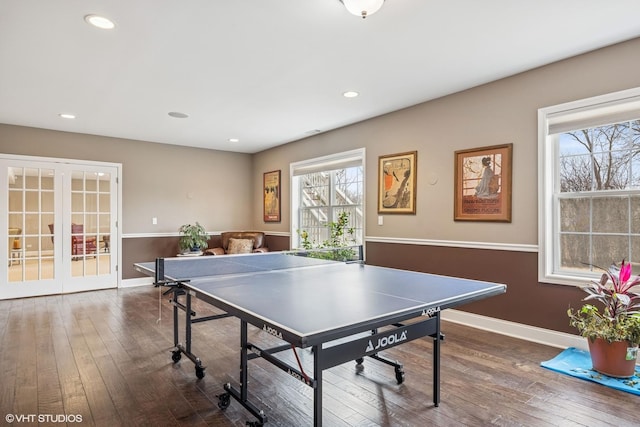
(344, 311)
(309, 300)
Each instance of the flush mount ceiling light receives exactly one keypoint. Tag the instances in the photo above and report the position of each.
(362, 8)
(100, 22)
(234, 140)
(350, 94)
(178, 115)
(67, 116)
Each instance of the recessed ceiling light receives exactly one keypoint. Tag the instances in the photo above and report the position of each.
(178, 115)
(234, 140)
(100, 22)
(350, 94)
(67, 116)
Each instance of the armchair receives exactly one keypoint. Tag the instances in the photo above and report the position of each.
(81, 244)
(238, 242)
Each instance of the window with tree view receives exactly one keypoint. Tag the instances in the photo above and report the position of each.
(598, 196)
(588, 186)
(326, 198)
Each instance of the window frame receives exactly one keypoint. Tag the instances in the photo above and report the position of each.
(582, 114)
(325, 163)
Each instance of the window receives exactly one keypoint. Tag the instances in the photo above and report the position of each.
(589, 186)
(321, 190)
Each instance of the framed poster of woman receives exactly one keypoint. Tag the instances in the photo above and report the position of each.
(483, 184)
(271, 184)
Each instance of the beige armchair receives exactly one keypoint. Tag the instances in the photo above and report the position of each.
(239, 242)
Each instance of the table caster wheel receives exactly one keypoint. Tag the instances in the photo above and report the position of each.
(359, 361)
(199, 372)
(176, 356)
(399, 375)
(224, 400)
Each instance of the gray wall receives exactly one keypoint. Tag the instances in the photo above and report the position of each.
(501, 112)
(224, 190)
(177, 185)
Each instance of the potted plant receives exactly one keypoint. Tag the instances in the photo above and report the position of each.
(613, 334)
(193, 238)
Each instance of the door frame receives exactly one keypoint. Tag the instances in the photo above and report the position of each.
(116, 236)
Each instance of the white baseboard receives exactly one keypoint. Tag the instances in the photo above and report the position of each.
(132, 283)
(516, 330)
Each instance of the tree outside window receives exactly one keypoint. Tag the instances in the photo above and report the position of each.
(598, 195)
(323, 197)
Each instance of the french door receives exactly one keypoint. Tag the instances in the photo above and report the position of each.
(60, 227)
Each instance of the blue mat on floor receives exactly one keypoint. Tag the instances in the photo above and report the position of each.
(577, 363)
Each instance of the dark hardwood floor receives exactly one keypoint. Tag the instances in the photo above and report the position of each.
(105, 357)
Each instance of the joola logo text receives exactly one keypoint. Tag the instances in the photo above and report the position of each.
(387, 341)
(268, 329)
(298, 376)
(430, 312)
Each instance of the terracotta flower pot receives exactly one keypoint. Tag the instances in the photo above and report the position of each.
(616, 359)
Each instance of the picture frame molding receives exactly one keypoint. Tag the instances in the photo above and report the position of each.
(464, 209)
(411, 183)
(272, 209)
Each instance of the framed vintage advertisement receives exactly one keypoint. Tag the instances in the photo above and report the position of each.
(483, 184)
(397, 183)
(271, 185)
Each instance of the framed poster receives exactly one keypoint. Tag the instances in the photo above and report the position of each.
(483, 184)
(271, 185)
(397, 183)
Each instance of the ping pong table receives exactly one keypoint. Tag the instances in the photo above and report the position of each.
(342, 311)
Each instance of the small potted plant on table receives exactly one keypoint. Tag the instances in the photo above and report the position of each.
(614, 334)
(193, 239)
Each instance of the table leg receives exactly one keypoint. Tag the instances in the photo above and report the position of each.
(244, 361)
(175, 319)
(242, 395)
(187, 323)
(317, 391)
(436, 363)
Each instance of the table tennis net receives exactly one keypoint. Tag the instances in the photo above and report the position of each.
(192, 268)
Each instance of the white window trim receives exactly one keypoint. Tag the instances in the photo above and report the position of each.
(324, 162)
(598, 110)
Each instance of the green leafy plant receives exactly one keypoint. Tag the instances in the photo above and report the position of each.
(339, 245)
(193, 237)
(620, 318)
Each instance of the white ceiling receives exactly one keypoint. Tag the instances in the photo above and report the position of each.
(272, 71)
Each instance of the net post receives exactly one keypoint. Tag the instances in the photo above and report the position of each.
(159, 274)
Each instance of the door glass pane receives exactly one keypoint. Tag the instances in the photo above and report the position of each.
(105, 183)
(31, 201)
(31, 210)
(47, 179)
(91, 221)
(15, 201)
(55, 211)
(91, 183)
(32, 223)
(77, 202)
(32, 178)
(104, 203)
(103, 217)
